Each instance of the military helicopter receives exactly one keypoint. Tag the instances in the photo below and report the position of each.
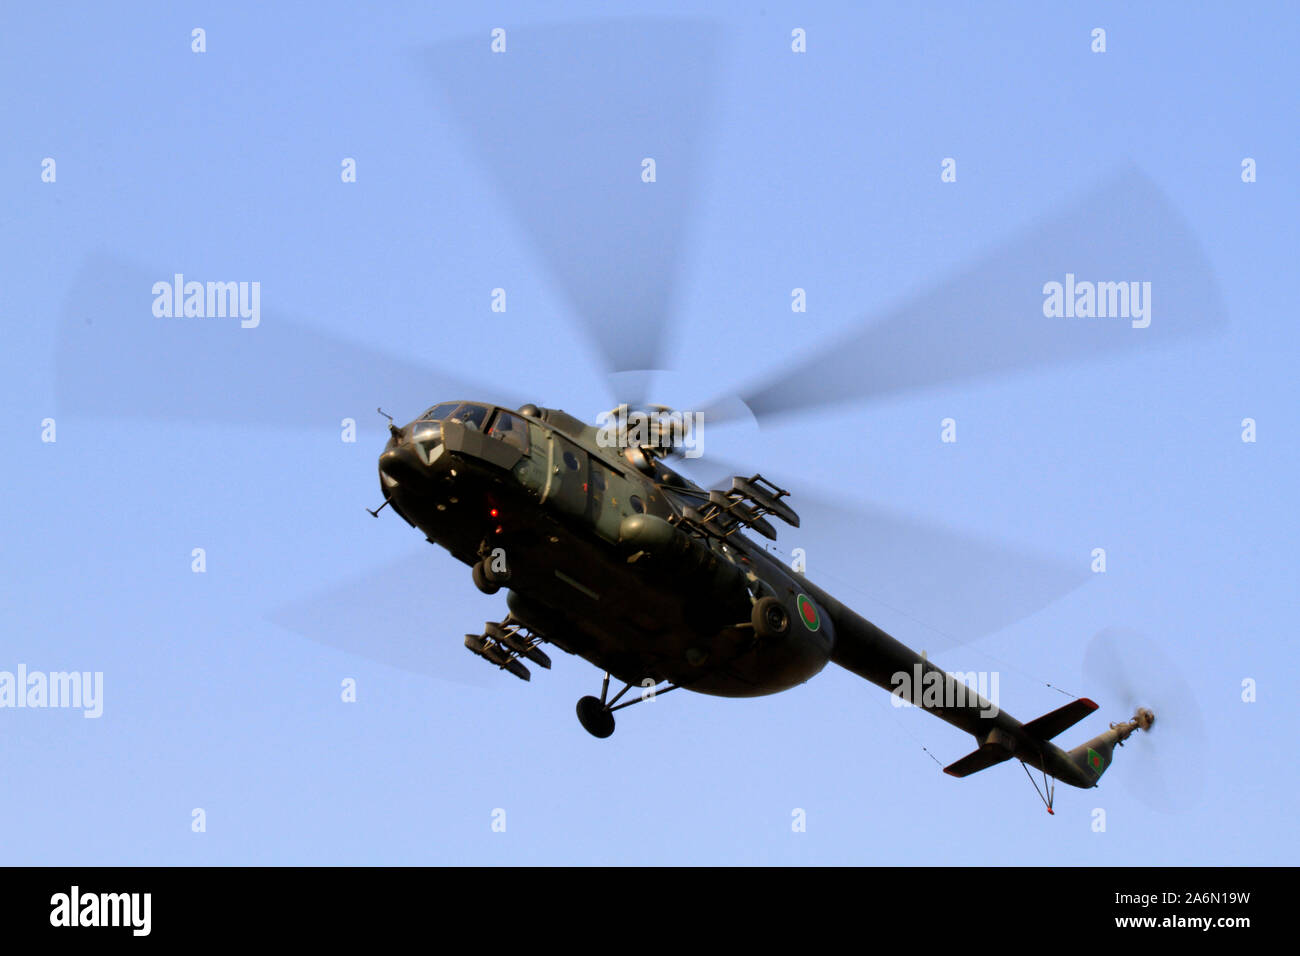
(606, 549)
(612, 555)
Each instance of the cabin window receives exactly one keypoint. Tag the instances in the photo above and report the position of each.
(510, 429)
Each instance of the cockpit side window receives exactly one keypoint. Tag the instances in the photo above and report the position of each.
(471, 416)
(510, 429)
(439, 412)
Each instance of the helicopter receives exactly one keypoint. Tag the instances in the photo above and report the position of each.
(606, 549)
(610, 554)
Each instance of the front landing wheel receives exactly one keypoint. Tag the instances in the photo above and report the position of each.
(595, 717)
(482, 581)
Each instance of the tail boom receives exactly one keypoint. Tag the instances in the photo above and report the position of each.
(866, 650)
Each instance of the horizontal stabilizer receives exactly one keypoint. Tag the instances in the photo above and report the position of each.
(999, 746)
(976, 761)
(1049, 725)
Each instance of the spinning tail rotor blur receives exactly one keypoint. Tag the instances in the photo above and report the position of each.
(1127, 669)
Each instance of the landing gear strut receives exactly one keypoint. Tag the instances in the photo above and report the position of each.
(597, 716)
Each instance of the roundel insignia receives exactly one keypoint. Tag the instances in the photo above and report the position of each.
(1095, 763)
(808, 613)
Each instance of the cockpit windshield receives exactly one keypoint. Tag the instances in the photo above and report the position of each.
(467, 413)
(439, 412)
(471, 416)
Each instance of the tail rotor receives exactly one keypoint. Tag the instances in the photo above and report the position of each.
(1166, 772)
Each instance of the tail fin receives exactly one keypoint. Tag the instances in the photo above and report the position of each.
(1094, 757)
(999, 746)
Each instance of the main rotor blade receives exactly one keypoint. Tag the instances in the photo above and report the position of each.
(990, 318)
(939, 586)
(383, 615)
(116, 359)
(564, 120)
(944, 587)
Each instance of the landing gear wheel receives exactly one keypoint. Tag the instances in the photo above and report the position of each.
(493, 576)
(595, 717)
(481, 579)
(770, 619)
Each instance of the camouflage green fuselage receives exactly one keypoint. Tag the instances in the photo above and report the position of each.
(596, 564)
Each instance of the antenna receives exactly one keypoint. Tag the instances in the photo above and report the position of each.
(392, 430)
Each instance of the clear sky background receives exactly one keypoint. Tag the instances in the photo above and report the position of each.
(818, 170)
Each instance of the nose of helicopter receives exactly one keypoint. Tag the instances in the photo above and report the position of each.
(400, 465)
(407, 455)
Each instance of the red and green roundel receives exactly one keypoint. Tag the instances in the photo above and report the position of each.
(1095, 763)
(808, 613)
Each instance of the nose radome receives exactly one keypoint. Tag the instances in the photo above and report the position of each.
(400, 464)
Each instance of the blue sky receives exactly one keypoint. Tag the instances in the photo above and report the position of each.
(816, 170)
